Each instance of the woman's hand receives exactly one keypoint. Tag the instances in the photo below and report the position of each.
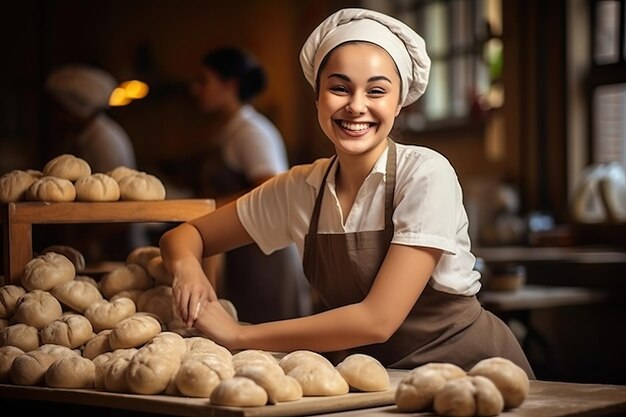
(216, 324)
(191, 289)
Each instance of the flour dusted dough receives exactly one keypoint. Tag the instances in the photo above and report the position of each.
(51, 189)
(105, 315)
(157, 270)
(7, 356)
(97, 345)
(102, 363)
(200, 373)
(14, 184)
(134, 331)
(30, 368)
(9, 294)
(469, 396)
(319, 380)
(364, 373)
(141, 186)
(97, 187)
(297, 357)
(121, 171)
(71, 372)
(21, 336)
(46, 271)
(37, 308)
(67, 166)
(510, 379)
(71, 330)
(272, 379)
(73, 254)
(77, 294)
(159, 301)
(126, 277)
(239, 392)
(416, 391)
(199, 344)
(151, 370)
(141, 255)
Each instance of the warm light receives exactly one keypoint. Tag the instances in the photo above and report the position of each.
(135, 89)
(118, 97)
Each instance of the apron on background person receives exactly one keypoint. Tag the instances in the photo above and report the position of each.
(441, 327)
(262, 287)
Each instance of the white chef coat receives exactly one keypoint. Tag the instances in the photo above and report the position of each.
(428, 203)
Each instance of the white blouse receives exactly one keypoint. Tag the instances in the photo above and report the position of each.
(428, 212)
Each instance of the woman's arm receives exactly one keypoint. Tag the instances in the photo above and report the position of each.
(184, 247)
(399, 283)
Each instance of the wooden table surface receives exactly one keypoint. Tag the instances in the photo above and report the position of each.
(546, 399)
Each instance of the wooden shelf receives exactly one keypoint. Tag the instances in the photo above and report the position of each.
(18, 218)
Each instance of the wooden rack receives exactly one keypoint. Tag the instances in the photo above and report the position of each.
(18, 218)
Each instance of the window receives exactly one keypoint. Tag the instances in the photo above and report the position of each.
(463, 40)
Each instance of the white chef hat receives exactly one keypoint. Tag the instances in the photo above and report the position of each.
(405, 47)
(81, 89)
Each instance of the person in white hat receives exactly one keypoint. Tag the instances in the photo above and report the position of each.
(381, 226)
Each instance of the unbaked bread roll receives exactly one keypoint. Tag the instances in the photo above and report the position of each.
(173, 344)
(510, 379)
(319, 380)
(7, 356)
(469, 396)
(46, 271)
(73, 254)
(9, 294)
(239, 392)
(67, 166)
(87, 279)
(121, 171)
(115, 374)
(105, 315)
(297, 357)
(71, 330)
(197, 344)
(151, 370)
(51, 189)
(37, 308)
(126, 277)
(102, 363)
(97, 187)
(132, 294)
(141, 186)
(30, 368)
(247, 356)
(364, 373)
(98, 345)
(200, 373)
(141, 255)
(417, 390)
(77, 295)
(14, 184)
(159, 301)
(71, 372)
(134, 331)
(20, 335)
(157, 270)
(272, 379)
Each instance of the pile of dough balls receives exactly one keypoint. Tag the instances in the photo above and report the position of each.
(68, 178)
(121, 333)
(489, 387)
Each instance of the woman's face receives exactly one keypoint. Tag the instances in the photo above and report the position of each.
(358, 100)
(210, 91)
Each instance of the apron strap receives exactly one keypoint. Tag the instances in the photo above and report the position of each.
(318, 201)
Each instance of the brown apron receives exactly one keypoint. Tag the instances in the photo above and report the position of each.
(441, 327)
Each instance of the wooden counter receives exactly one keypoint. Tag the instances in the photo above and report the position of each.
(546, 399)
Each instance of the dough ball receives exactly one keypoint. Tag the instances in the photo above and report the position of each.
(119, 172)
(74, 255)
(169, 342)
(98, 345)
(71, 330)
(14, 184)
(141, 187)
(510, 379)
(416, 391)
(97, 187)
(9, 294)
(200, 373)
(132, 294)
(247, 356)
(239, 392)
(4, 323)
(151, 370)
(142, 255)
(20, 335)
(467, 397)
(156, 269)
(51, 189)
(46, 271)
(272, 379)
(158, 301)
(230, 308)
(134, 331)
(319, 380)
(127, 277)
(77, 294)
(37, 308)
(115, 374)
(199, 344)
(7, 356)
(297, 357)
(67, 166)
(30, 368)
(58, 351)
(71, 372)
(105, 314)
(102, 363)
(364, 373)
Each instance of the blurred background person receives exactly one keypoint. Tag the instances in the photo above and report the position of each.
(247, 150)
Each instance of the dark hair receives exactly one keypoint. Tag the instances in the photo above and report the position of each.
(231, 62)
